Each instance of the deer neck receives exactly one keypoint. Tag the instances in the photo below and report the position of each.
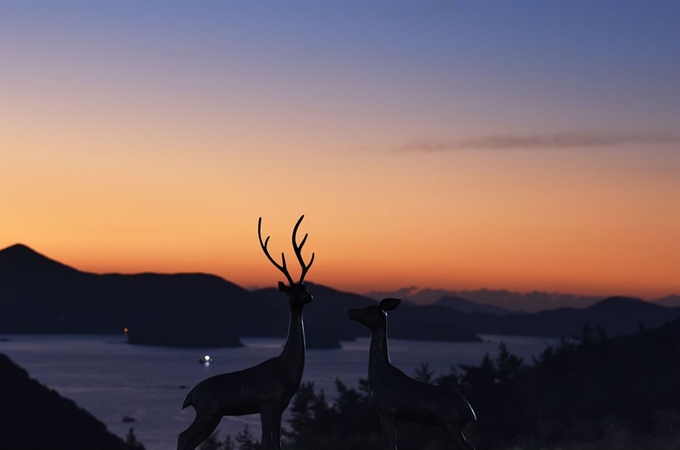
(379, 354)
(293, 353)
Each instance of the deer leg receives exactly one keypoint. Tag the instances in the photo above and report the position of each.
(456, 433)
(276, 430)
(389, 431)
(202, 427)
(270, 418)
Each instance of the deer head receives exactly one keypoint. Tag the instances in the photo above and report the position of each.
(374, 316)
(297, 292)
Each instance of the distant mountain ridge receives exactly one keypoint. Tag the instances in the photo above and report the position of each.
(328, 312)
(512, 301)
(615, 315)
(40, 295)
(672, 301)
(462, 305)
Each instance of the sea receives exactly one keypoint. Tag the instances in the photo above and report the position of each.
(114, 380)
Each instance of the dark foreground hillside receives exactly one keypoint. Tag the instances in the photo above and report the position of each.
(34, 417)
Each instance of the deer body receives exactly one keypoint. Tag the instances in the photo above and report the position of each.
(245, 391)
(396, 396)
(266, 388)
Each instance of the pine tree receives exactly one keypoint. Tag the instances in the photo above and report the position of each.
(211, 443)
(246, 440)
(131, 442)
(228, 443)
(424, 373)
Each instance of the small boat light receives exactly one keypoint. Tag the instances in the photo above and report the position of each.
(206, 360)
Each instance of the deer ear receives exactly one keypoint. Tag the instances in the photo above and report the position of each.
(283, 287)
(389, 304)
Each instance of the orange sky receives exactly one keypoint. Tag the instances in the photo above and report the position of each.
(160, 156)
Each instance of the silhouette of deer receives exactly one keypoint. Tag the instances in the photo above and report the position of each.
(265, 388)
(396, 396)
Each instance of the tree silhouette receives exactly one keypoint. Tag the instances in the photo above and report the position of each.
(596, 390)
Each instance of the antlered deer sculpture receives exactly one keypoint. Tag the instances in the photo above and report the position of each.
(396, 396)
(265, 388)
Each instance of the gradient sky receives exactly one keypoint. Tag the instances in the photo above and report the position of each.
(445, 144)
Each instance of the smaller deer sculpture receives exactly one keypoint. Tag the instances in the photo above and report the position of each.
(265, 388)
(396, 396)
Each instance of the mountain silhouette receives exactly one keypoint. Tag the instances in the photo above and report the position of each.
(40, 295)
(615, 315)
(328, 312)
(20, 260)
(670, 300)
(513, 301)
(462, 305)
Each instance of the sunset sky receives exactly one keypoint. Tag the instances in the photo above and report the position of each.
(530, 145)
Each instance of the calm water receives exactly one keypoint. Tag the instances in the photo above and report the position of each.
(112, 379)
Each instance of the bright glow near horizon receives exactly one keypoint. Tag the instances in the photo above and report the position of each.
(454, 146)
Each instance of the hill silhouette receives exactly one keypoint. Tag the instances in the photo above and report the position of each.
(328, 312)
(462, 305)
(40, 295)
(19, 259)
(615, 315)
(513, 301)
(37, 418)
(670, 300)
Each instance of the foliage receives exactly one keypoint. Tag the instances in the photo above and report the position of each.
(244, 441)
(131, 442)
(595, 390)
(211, 443)
(349, 422)
(424, 373)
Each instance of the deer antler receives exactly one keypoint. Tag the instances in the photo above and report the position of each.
(298, 250)
(282, 268)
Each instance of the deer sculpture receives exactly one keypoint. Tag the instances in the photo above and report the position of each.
(396, 396)
(265, 388)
